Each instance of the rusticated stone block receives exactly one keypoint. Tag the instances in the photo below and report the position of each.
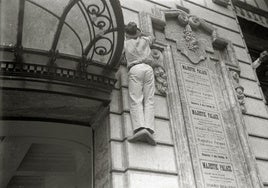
(116, 102)
(118, 180)
(256, 107)
(259, 147)
(242, 54)
(251, 88)
(118, 155)
(115, 126)
(247, 71)
(138, 179)
(123, 76)
(256, 126)
(145, 157)
(263, 167)
(236, 38)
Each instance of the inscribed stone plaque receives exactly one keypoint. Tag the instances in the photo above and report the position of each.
(207, 128)
(198, 87)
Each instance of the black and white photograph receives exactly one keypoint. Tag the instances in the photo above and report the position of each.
(133, 93)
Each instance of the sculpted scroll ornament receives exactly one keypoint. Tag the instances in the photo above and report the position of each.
(239, 91)
(159, 72)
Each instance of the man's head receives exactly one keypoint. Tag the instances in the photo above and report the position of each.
(132, 31)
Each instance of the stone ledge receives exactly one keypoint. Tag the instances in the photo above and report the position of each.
(256, 126)
(143, 157)
(138, 179)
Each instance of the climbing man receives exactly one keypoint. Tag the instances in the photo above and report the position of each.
(141, 83)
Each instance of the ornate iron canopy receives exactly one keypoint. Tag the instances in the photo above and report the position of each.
(60, 38)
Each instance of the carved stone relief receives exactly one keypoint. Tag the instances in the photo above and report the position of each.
(192, 48)
(239, 91)
(159, 72)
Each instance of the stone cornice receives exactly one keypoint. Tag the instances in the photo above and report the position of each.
(250, 8)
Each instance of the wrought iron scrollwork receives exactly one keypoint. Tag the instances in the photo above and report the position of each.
(103, 49)
(101, 22)
(105, 32)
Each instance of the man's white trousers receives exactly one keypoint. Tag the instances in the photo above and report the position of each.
(141, 97)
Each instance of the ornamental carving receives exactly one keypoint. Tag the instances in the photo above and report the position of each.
(159, 72)
(189, 46)
(190, 39)
(239, 91)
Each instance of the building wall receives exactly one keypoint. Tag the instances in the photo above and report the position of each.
(131, 163)
(135, 170)
(262, 4)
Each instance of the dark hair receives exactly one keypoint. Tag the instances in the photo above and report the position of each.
(131, 28)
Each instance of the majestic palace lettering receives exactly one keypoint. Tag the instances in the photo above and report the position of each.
(206, 123)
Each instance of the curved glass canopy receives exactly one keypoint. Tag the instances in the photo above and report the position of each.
(67, 33)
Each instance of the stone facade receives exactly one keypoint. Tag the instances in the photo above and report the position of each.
(175, 161)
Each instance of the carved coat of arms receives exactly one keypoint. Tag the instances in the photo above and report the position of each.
(189, 46)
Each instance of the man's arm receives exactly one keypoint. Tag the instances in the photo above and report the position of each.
(261, 60)
(149, 37)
